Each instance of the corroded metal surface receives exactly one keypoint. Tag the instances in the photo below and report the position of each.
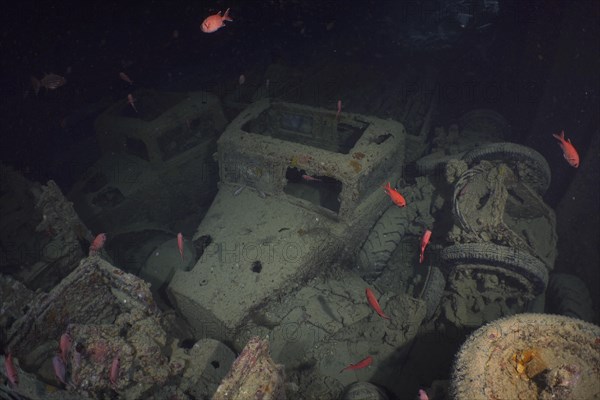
(529, 356)
(489, 204)
(108, 314)
(253, 375)
(40, 232)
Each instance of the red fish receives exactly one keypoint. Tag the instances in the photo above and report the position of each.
(423, 395)
(97, 244)
(180, 244)
(131, 101)
(11, 371)
(310, 178)
(65, 345)
(339, 110)
(215, 22)
(49, 81)
(375, 304)
(359, 365)
(424, 241)
(569, 152)
(124, 77)
(114, 370)
(396, 197)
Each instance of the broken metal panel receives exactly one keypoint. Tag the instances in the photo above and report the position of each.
(254, 375)
(85, 296)
(41, 236)
(108, 314)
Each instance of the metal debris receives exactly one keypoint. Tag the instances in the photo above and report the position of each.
(253, 375)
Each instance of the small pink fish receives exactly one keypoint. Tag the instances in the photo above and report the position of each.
(339, 110)
(396, 197)
(569, 152)
(114, 370)
(131, 101)
(375, 304)
(310, 178)
(423, 395)
(215, 22)
(11, 371)
(364, 363)
(59, 369)
(124, 77)
(65, 345)
(424, 241)
(97, 244)
(180, 244)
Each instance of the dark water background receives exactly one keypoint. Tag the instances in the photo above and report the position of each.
(510, 64)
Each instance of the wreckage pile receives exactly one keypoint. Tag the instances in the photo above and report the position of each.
(98, 327)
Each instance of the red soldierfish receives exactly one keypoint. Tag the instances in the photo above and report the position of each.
(65, 345)
(359, 365)
(11, 371)
(180, 244)
(569, 152)
(131, 101)
(97, 244)
(339, 110)
(215, 22)
(424, 241)
(124, 77)
(310, 178)
(396, 197)
(423, 395)
(374, 303)
(114, 370)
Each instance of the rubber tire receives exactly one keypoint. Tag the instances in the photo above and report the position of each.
(491, 254)
(434, 164)
(568, 295)
(470, 118)
(540, 181)
(363, 391)
(432, 291)
(383, 239)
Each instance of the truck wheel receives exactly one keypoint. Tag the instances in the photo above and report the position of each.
(533, 168)
(432, 291)
(376, 252)
(363, 391)
(497, 256)
(434, 164)
(528, 356)
(568, 295)
(384, 238)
